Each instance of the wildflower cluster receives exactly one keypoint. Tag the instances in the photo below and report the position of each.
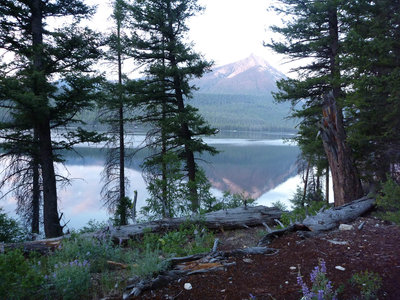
(321, 289)
(70, 278)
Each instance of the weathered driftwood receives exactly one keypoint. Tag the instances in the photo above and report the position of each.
(191, 265)
(234, 218)
(325, 220)
(331, 218)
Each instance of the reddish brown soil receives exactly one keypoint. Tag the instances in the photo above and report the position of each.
(375, 248)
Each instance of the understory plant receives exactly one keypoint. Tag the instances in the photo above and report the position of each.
(368, 282)
(19, 278)
(321, 286)
(388, 201)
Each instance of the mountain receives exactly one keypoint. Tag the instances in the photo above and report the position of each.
(250, 76)
(237, 96)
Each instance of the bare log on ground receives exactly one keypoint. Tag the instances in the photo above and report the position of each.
(332, 218)
(325, 220)
(234, 218)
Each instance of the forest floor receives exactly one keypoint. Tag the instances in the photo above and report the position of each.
(375, 247)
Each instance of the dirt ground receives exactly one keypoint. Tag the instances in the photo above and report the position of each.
(375, 247)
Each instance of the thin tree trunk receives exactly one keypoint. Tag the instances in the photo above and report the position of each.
(35, 188)
(305, 184)
(327, 185)
(52, 226)
(122, 201)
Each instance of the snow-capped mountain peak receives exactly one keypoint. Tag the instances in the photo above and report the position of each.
(252, 75)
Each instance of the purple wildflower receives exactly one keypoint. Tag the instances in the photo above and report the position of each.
(323, 266)
(321, 295)
(314, 274)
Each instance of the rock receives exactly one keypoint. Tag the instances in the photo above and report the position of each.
(335, 242)
(344, 227)
(187, 286)
(340, 268)
(247, 260)
(292, 268)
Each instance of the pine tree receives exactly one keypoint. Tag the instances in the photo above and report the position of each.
(373, 67)
(43, 86)
(159, 41)
(313, 33)
(115, 106)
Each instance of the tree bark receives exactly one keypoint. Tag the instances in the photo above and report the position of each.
(52, 226)
(346, 183)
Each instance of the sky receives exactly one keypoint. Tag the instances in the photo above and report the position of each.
(227, 31)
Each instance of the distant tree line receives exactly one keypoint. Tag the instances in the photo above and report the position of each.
(350, 75)
(48, 77)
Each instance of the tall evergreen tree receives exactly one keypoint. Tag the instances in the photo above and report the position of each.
(116, 104)
(372, 63)
(36, 102)
(312, 33)
(160, 29)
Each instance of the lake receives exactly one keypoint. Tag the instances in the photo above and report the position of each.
(260, 165)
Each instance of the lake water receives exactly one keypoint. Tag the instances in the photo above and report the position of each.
(263, 166)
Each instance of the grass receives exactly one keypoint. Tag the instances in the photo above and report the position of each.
(80, 268)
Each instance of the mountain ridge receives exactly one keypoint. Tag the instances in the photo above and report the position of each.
(250, 76)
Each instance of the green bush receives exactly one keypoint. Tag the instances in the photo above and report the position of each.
(71, 280)
(227, 201)
(149, 263)
(10, 230)
(369, 284)
(97, 252)
(388, 201)
(19, 278)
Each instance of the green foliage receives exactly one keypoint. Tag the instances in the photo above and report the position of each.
(95, 251)
(93, 226)
(10, 230)
(189, 239)
(71, 280)
(368, 282)
(149, 263)
(227, 201)
(19, 278)
(388, 200)
(301, 211)
(279, 205)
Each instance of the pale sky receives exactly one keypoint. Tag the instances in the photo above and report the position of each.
(227, 31)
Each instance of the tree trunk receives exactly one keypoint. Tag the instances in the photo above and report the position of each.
(123, 209)
(346, 183)
(50, 211)
(52, 227)
(35, 195)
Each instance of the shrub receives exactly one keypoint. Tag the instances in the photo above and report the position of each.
(97, 252)
(388, 200)
(321, 286)
(93, 226)
(10, 230)
(19, 278)
(369, 284)
(71, 280)
(149, 263)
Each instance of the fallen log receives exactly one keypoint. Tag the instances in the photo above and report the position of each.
(235, 218)
(324, 220)
(240, 217)
(332, 218)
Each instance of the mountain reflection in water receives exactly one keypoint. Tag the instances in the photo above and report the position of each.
(249, 166)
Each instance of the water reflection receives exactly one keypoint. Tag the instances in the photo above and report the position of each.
(263, 169)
